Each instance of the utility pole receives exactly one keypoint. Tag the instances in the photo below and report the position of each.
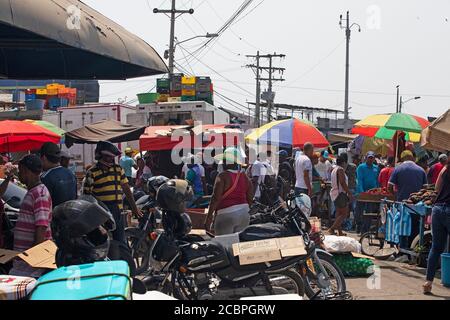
(348, 32)
(173, 16)
(269, 95)
(398, 101)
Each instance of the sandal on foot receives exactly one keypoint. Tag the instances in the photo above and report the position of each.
(427, 288)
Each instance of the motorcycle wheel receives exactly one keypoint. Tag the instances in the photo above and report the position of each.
(140, 249)
(337, 279)
(289, 280)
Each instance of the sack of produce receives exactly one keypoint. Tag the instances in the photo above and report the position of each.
(341, 244)
(354, 267)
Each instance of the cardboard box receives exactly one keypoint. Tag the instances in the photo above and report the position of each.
(253, 252)
(40, 256)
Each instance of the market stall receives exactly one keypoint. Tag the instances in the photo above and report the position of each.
(437, 135)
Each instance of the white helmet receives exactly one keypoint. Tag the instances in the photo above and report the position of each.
(303, 202)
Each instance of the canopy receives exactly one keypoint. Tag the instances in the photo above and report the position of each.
(106, 130)
(290, 133)
(17, 136)
(384, 126)
(159, 138)
(437, 135)
(341, 137)
(66, 39)
(49, 126)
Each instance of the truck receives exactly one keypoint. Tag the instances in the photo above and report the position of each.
(76, 117)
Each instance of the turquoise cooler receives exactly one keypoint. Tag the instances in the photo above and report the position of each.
(106, 280)
(445, 269)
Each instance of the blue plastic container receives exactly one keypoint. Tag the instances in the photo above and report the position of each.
(37, 104)
(55, 103)
(30, 96)
(106, 280)
(445, 269)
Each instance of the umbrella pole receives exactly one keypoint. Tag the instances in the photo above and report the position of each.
(397, 142)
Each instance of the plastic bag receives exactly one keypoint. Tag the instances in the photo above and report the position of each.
(341, 244)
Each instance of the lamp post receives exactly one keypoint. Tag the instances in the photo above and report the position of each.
(176, 42)
(402, 103)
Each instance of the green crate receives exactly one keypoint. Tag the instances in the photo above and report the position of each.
(188, 98)
(149, 97)
(163, 83)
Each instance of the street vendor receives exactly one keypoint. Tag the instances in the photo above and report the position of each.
(107, 182)
(367, 179)
(406, 179)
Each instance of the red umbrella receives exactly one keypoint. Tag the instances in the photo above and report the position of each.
(16, 136)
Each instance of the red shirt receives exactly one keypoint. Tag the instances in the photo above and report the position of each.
(384, 176)
(238, 195)
(434, 172)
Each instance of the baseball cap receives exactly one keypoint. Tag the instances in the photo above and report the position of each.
(50, 149)
(325, 154)
(443, 157)
(128, 150)
(370, 154)
(230, 155)
(406, 153)
(32, 162)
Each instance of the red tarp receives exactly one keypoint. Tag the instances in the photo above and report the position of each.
(158, 138)
(17, 136)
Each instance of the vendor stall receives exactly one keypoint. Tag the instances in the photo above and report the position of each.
(437, 135)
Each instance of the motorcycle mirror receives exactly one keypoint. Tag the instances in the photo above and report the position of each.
(139, 286)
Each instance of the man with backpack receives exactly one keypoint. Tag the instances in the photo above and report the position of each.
(263, 179)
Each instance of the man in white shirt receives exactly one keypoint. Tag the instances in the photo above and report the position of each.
(303, 170)
(260, 169)
(324, 167)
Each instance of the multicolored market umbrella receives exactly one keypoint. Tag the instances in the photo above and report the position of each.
(16, 136)
(384, 126)
(289, 133)
(47, 125)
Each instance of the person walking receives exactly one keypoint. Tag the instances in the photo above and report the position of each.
(436, 169)
(324, 167)
(367, 179)
(386, 173)
(60, 181)
(340, 194)
(261, 169)
(106, 181)
(406, 179)
(196, 180)
(35, 215)
(231, 198)
(440, 226)
(303, 170)
(127, 163)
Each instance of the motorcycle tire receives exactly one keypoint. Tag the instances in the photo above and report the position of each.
(140, 249)
(295, 277)
(334, 272)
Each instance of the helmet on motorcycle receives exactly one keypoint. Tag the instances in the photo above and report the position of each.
(173, 194)
(80, 229)
(154, 183)
(106, 148)
(183, 225)
(303, 202)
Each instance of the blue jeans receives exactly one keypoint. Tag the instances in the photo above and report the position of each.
(440, 228)
(119, 218)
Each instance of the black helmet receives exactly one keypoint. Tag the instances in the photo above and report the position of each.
(173, 194)
(80, 229)
(180, 225)
(106, 148)
(154, 183)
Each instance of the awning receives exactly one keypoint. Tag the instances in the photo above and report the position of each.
(341, 137)
(106, 130)
(437, 135)
(43, 40)
(159, 138)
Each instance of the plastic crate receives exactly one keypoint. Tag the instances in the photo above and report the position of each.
(53, 86)
(203, 84)
(37, 104)
(52, 92)
(189, 93)
(30, 96)
(163, 83)
(174, 99)
(163, 98)
(188, 80)
(163, 90)
(149, 97)
(188, 98)
(176, 93)
(42, 92)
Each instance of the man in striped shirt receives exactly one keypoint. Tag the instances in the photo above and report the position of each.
(33, 224)
(106, 181)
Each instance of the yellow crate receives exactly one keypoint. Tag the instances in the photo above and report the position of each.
(41, 91)
(52, 92)
(163, 98)
(174, 99)
(55, 86)
(189, 93)
(188, 80)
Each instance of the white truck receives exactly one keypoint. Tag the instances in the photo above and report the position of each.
(78, 116)
(177, 113)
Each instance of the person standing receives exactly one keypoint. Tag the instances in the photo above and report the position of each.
(60, 181)
(440, 226)
(106, 181)
(35, 215)
(303, 170)
(436, 169)
(340, 194)
(259, 170)
(231, 198)
(127, 163)
(140, 171)
(386, 173)
(407, 178)
(367, 179)
(324, 167)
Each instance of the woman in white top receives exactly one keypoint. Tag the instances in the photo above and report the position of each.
(340, 194)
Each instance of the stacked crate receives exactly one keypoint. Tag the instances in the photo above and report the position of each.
(163, 88)
(204, 89)
(176, 85)
(188, 88)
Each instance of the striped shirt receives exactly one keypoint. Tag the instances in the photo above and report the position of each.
(35, 211)
(105, 184)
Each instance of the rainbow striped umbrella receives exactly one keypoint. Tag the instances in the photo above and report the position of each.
(384, 126)
(289, 133)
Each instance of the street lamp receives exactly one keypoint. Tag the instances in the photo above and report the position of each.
(208, 35)
(402, 103)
